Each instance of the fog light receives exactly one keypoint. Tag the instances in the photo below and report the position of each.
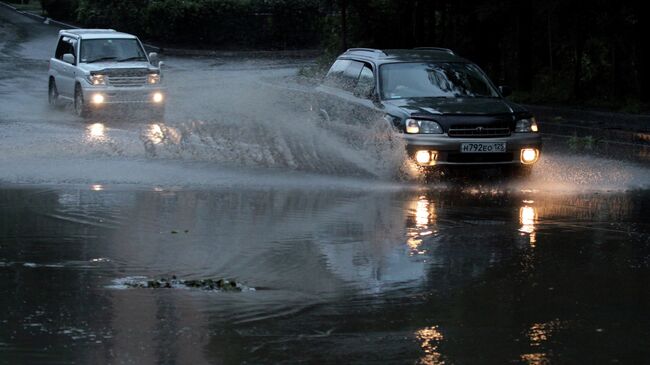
(423, 157)
(157, 97)
(426, 157)
(529, 155)
(98, 98)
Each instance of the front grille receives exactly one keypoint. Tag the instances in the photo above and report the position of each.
(480, 132)
(127, 80)
(479, 157)
(127, 77)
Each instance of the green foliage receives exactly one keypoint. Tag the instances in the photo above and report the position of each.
(586, 143)
(549, 51)
(204, 23)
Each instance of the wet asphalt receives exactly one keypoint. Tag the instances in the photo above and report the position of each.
(346, 257)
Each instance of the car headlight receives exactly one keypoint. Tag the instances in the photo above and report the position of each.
(414, 126)
(97, 79)
(153, 79)
(526, 126)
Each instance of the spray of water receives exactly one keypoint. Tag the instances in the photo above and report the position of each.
(240, 114)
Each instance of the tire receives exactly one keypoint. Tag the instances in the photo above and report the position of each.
(80, 108)
(52, 94)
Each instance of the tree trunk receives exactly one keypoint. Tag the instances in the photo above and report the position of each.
(344, 24)
(550, 43)
(524, 45)
(643, 27)
(577, 68)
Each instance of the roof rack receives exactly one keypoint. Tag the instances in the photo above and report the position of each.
(373, 50)
(435, 49)
(88, 30)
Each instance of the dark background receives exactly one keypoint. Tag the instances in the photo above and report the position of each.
(556, 52)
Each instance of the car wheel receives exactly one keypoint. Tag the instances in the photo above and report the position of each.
(53, 94)
(80, 107)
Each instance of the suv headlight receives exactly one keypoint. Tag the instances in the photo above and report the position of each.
(526, 126)
(414, 126)
(153, 79)
(97, 79)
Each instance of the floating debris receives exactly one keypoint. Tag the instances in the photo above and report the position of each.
(174, 282)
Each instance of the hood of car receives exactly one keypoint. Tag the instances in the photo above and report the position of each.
(455, 106)
(110, 65)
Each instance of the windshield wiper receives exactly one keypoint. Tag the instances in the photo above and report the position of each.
(101, 59)
(131, 59)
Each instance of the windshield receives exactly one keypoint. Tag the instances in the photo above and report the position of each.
(440, 80)
(118, 50)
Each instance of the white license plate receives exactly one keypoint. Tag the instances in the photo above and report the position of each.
(492, 147)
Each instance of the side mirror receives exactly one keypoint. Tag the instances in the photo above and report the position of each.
(68, 58)
(161, 64)
(505, 90)
(153, 58)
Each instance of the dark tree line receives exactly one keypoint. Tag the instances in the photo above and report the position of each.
(553, 50)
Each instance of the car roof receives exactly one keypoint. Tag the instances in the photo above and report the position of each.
(422, 54)
(96, 33)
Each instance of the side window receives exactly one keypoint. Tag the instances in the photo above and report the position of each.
(64, 46)
(351, 73)
(344, 74)
(335, 74)
(74, 45)
(60, 48)
(366, 82)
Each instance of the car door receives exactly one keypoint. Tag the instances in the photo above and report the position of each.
(63, 72)
(364, 106)
(335, 94)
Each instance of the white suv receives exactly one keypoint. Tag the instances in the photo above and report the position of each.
(97, 68)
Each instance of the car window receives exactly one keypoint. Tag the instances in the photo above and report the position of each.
(344, 74)
(366, 82)
(116, 50)
(441, 80)
(335, 73)
(64, 46)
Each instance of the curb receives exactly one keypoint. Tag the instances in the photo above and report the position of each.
(309, 53)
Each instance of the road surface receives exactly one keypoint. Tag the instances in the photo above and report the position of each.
(353, 259)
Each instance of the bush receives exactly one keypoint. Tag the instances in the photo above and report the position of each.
(60, 9)
(247, 23)
(125, 15)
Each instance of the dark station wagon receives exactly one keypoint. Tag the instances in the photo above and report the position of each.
(444, 106)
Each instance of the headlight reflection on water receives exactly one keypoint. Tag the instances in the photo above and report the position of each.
(528, 219)
(155, 134)
(158, 133)
(96, 132)
(430, 338)
(424, 215)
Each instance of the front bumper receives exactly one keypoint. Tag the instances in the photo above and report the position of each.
(448, 150)
(125, 96)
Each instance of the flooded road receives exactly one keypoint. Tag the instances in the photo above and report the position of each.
(426, 276)
(351, 257)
